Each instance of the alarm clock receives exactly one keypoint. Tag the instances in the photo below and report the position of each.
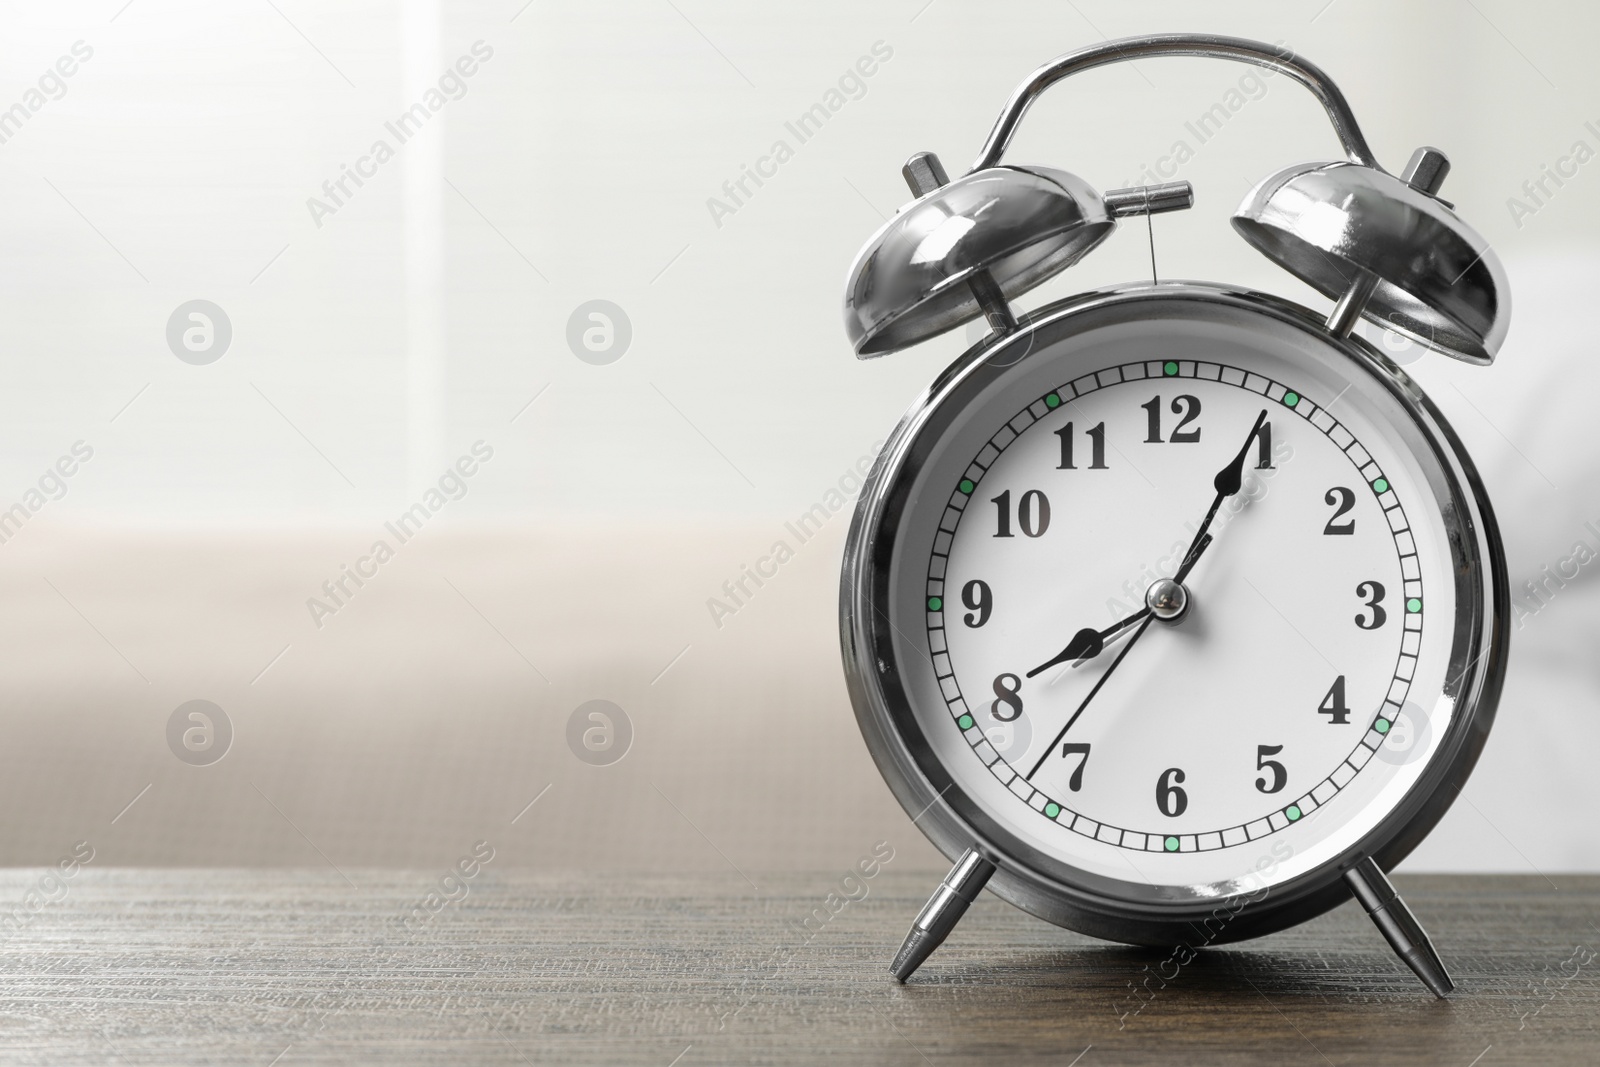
(1176, 613)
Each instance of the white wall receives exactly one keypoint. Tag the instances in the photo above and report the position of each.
(371, 351)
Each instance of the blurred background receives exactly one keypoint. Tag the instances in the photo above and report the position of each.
(488, 283)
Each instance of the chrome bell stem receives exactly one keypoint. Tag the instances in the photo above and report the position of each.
(924, 173)
(1425, 173)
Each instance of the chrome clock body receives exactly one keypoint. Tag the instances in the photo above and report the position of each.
(880, 613)
(1142, 818)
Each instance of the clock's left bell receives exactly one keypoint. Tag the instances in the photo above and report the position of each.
(964, 248)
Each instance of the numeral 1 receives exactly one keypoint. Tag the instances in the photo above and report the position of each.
(1264, 448)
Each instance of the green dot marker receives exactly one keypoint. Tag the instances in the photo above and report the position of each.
(1291, 398)
(1169, 368)
(1381, 485)
(1382, 726)
(1172, 844)
(1413, 605)
(934, 603)
(966, 486)
(1052, 401)
(965, 722)
(1052, 809)
(1293, 811)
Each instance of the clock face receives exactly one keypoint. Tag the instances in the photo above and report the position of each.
(1301, 687)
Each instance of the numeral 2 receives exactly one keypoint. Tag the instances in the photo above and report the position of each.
(1342, 500)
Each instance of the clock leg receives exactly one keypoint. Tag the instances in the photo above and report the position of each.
(1399, 927)
(943, 910)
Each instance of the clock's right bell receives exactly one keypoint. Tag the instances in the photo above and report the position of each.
(1344, 229)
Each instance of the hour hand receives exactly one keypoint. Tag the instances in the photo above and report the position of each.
(1087, 643)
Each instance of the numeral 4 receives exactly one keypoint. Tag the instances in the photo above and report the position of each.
(1333, 705)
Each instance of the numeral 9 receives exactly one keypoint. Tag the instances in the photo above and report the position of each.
(976, 596)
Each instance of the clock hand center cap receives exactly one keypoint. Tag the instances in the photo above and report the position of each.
(1167, 600)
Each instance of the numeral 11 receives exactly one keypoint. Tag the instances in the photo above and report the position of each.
(1097, 448)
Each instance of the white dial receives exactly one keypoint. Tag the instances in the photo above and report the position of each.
(1300, 688)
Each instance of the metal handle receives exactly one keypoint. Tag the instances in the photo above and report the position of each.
(1208, 45)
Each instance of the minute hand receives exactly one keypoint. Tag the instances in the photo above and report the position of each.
(1227, 482)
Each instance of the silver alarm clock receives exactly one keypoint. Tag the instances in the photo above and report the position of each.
(1141, 592)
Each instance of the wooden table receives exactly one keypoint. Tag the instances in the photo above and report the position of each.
(209, 966)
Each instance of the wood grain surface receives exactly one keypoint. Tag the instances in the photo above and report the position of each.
(285, 967)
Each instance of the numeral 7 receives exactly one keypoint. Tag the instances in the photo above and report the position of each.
(1075, 783)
